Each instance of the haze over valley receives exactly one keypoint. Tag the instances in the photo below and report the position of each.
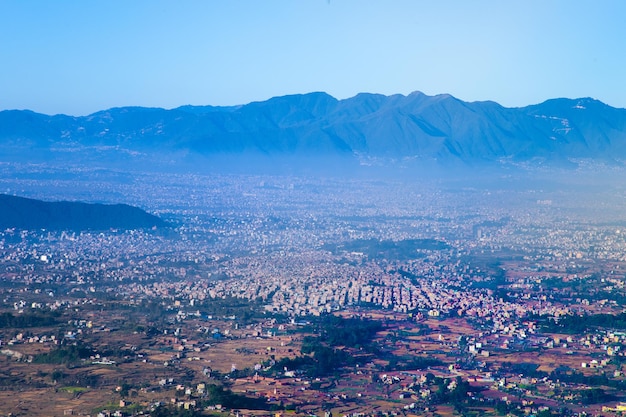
(477, 285)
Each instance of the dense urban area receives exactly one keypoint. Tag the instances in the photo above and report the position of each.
(301, 296)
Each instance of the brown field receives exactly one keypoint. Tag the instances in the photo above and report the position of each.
(147, 362)
(52, 402)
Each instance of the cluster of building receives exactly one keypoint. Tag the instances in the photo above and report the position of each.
(275, 239)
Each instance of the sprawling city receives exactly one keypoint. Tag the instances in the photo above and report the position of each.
(289, 295)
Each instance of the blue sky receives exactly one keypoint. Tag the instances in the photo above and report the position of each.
(77, 57)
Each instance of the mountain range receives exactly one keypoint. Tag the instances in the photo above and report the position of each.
(365, 127)
(26, 213)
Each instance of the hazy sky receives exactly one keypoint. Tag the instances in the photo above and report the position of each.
(77, 57)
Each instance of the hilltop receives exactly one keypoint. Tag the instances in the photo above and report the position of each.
(26, 213)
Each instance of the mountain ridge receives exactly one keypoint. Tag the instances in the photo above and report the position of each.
(368, 125)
